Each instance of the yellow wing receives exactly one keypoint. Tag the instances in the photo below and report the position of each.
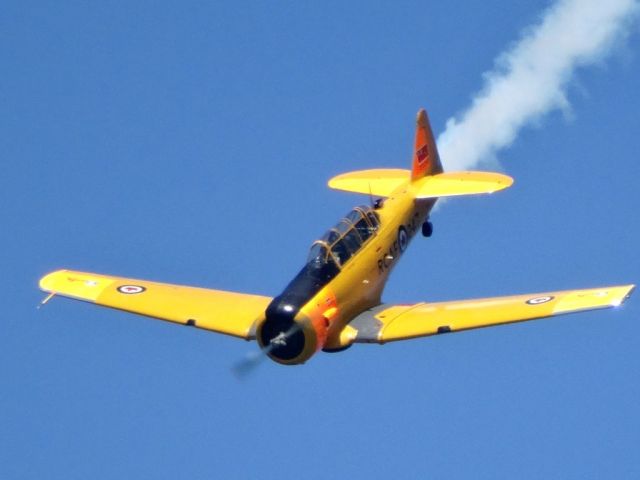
(387, 323)
(224, 312)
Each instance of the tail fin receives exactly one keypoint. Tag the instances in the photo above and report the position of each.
(426, 160)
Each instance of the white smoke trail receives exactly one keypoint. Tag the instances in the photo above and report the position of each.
(530, 79)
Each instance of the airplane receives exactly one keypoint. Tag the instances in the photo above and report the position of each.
(335, 299)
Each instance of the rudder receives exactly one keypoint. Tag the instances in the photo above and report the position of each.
(426, 160)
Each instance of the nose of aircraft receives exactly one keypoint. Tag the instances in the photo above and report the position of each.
(282, 335)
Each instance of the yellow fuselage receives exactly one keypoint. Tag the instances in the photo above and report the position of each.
(323, 319)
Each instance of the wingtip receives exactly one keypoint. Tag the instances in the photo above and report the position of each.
(46, 282)
(626, 294)
(621, 294)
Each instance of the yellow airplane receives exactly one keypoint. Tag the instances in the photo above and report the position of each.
(335, 300)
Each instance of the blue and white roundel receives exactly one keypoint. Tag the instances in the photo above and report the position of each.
(131, 289)
(539, 300)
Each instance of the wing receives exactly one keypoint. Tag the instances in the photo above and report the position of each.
(386, 323)
(224, 312)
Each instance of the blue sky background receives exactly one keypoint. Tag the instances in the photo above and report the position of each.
(191, 143)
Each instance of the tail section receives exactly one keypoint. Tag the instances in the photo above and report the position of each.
(426, 161)
(426, 178)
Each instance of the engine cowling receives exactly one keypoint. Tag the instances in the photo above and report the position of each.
(288, 336)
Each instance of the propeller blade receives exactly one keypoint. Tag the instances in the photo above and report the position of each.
(243, 368)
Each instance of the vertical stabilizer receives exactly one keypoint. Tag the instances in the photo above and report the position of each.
(426, 160)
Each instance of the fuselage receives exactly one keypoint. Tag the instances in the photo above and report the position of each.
(344, 276)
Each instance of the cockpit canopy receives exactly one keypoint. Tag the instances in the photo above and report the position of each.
(328, 255)
(341, 242)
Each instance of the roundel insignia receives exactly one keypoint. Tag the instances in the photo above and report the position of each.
(131, 289)
(403, 239)
(539, 300)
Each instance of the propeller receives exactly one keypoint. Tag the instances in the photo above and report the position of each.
(244, 367)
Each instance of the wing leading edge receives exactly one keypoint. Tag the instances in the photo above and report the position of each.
(387, 323)
(216, 310)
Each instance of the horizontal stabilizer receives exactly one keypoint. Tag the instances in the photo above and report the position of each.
(450, 184)
(381, 182)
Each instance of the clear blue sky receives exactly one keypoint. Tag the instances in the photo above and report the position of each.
(191, 143)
